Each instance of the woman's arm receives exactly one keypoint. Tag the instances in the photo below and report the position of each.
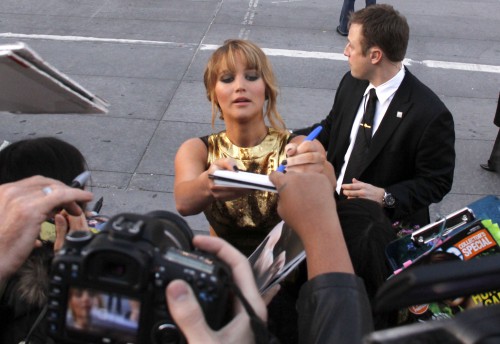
(193, 190)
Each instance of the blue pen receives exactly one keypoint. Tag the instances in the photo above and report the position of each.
(312, 135)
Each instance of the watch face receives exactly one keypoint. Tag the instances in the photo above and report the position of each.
(389, 200)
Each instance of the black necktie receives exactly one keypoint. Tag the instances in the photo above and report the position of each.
(363, 140)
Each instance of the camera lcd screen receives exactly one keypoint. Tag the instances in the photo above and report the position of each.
(186, 260)
(102, 315)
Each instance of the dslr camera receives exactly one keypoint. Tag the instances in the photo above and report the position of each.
(109, 287)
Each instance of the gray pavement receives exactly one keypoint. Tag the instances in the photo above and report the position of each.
(147, 58)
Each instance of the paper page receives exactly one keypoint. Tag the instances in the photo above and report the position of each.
(243, 179)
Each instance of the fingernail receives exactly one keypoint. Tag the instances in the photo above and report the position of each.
(178, 291)
(235, 168)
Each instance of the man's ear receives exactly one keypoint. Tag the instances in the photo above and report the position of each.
(376, 55)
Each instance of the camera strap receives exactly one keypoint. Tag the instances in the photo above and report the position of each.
(35, 325)
(259, 327)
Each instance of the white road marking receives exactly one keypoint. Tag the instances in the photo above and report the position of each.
(473, 67)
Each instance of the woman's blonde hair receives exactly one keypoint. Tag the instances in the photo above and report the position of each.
(254, 57)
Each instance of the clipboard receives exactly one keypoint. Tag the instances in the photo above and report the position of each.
(409, 248)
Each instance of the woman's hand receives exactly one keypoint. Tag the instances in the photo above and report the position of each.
(224, 193)
(194, 191)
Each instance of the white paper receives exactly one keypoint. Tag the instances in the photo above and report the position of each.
(242, 179)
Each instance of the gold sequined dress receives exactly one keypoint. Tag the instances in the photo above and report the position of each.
(245, 222)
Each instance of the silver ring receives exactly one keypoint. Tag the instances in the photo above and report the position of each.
(47, 190)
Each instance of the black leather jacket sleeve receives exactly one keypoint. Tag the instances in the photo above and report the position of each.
(334, 308)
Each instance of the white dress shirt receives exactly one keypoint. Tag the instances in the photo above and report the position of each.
(385, 93)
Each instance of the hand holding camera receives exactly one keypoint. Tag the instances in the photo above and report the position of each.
(24, 205)
(187, 313)
(131, 262)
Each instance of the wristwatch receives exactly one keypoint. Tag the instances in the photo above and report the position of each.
(388, 201)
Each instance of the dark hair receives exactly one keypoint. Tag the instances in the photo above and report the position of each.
(46, 156)
(384, 27)
(367, 231)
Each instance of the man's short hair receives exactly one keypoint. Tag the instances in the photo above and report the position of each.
(384, 27)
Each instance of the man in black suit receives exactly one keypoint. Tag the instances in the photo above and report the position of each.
(409, 160)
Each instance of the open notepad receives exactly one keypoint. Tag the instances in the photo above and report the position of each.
(28, 84)
(242, 179)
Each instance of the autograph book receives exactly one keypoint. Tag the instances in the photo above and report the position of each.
(243, 179)
(28, 84)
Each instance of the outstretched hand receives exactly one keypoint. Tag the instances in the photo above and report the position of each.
(187, 313)
(224, 193)
(309, 156)
(306, 203)
(24, 206)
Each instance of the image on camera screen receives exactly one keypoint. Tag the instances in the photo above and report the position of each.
(102, 314)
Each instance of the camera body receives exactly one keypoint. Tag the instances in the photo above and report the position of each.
(110, 287)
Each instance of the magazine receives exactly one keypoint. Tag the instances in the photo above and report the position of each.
(278, 255)
(28, 84)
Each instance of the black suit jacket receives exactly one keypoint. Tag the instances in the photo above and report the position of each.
(412, 153)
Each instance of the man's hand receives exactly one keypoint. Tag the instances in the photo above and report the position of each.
(307, 205)
(305, 199)
(309, 156)
(187, 313)
(24, 205)
(359, 189)
(66, 224)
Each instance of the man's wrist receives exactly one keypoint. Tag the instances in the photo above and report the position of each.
(388, 201)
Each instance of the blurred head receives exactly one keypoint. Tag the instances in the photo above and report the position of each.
(384, 27)
(226, 57)
(46, 156)
(80, 304)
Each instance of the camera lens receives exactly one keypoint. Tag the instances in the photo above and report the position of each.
(166, 334)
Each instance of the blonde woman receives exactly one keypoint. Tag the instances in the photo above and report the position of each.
(242, 89)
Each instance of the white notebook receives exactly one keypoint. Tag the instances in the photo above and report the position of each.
(242, 179)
